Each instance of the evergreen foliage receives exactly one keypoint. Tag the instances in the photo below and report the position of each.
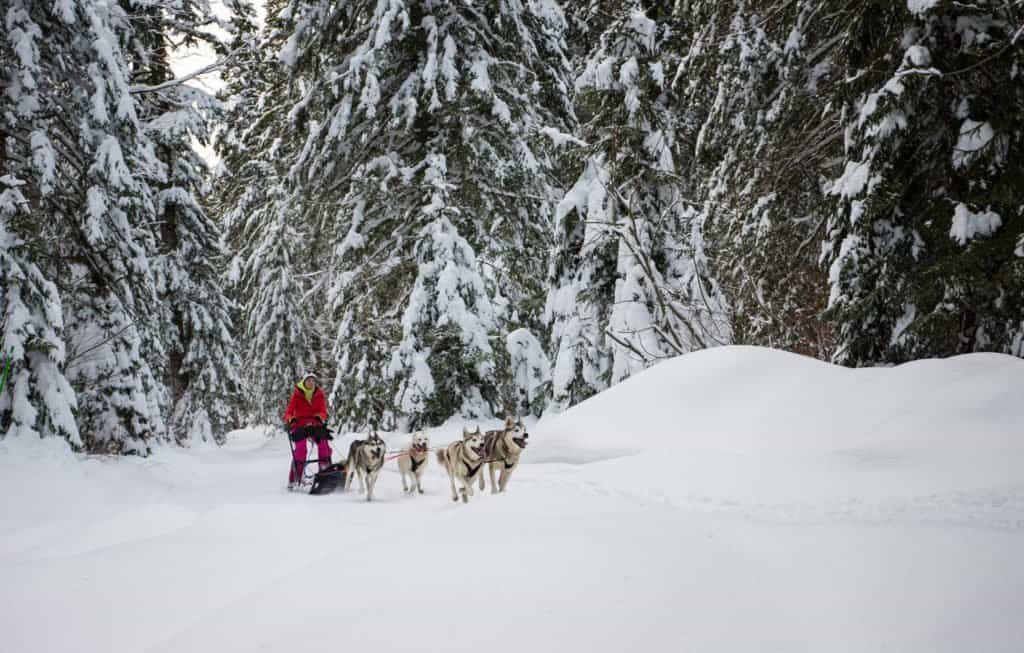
(202, 369)
(762, 140)
(422, 129)
(631, 284)
(91, 166)
(274, 254)
(480, 209)
(923, 244)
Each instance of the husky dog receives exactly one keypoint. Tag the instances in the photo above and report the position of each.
(463, 460)
(413, 460)
(365, 458)
(501, 450)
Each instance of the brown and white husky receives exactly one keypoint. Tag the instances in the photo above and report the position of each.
(501, 451)
(463, 460)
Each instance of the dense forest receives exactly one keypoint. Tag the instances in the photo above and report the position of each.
(482, 208)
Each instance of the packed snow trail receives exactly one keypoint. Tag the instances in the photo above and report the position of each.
(615, 536)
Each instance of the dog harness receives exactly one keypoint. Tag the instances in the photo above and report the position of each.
(376, 466)
(416, 465)
(472, 470)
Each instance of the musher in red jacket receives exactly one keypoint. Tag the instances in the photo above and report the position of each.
(306, 417)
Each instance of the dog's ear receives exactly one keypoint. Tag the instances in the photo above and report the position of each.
(508, 422)
(465, 433)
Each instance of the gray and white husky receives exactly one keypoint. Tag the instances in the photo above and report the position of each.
(365, 458)
(413, 460)
(501, 451)
(463, 460)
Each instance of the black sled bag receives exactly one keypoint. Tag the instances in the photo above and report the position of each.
(329, 479)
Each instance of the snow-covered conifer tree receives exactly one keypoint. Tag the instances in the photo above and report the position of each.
(445, 364)
(760, 136)
(923, 247)
(200, 365)
(582, 279)
(629, 219)
(72, 137)
(427, 134)
(274, 253)
(530, 372)
(38, 400)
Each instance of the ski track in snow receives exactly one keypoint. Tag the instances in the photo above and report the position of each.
(1000, 510)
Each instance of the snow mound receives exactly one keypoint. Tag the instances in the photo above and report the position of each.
(784, 435)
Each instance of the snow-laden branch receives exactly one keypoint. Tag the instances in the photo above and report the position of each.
(142, 88)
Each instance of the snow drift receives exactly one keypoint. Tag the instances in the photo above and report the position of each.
(761, 400)
(797, 438)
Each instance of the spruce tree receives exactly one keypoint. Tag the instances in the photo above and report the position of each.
(427, 129)
(73, 137)
(761, 136)
(530, 373)
(923, 245)
(581, 291)
(199, 363)
(273, 255)
(38, 400)
(640, 259)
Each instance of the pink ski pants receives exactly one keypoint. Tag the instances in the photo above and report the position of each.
(323, 452)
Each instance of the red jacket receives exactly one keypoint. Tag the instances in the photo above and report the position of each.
(306, 411)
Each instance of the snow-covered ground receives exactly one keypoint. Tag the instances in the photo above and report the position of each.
(730, 500)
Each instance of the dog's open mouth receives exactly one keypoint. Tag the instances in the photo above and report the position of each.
(520, 442)
(478, 450)
(420, 448)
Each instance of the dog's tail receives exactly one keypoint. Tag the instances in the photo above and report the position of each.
(442, 458)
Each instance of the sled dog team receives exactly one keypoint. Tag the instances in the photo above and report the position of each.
(464, 460)
(306, 419)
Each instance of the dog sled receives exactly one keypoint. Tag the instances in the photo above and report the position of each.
(325, 481)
